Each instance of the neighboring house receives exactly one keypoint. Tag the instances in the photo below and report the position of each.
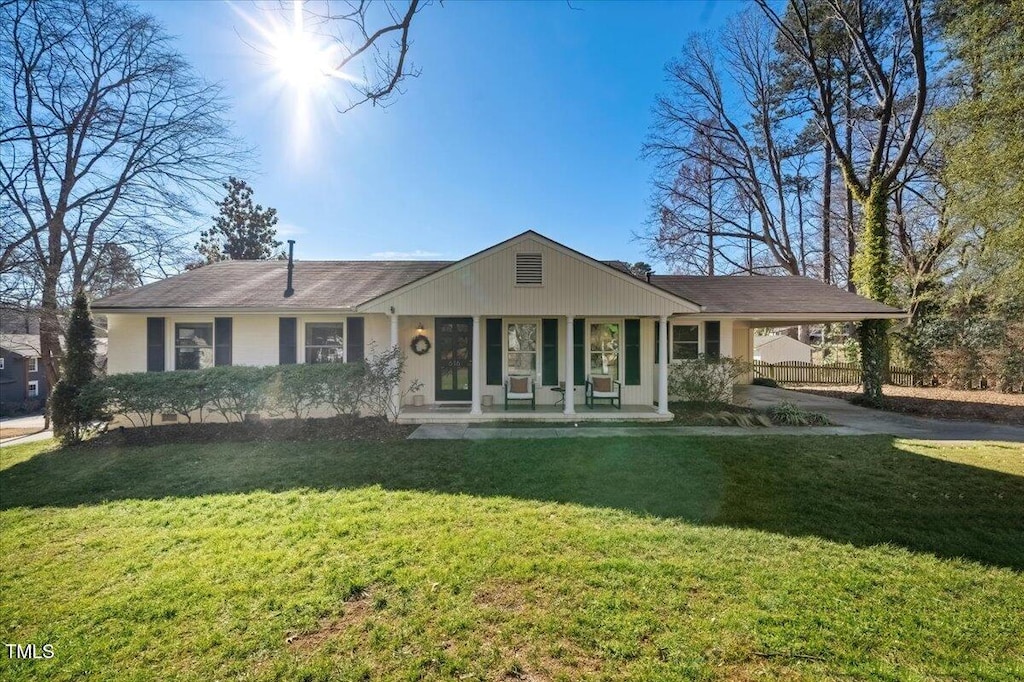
(22, 379)
(781, 348)
(527, 306)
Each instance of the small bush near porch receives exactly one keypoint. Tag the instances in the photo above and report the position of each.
(640, 558)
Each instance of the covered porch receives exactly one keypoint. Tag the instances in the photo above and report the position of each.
(462, 413)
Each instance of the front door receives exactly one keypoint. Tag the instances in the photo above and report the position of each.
(454, 358)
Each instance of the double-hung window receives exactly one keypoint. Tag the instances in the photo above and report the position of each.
(325, 342)
(522, 349)
(33, 365)
(604, 349)
(193, 345)
(685, 342)
(33, 389)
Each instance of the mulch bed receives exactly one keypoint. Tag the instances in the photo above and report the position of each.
(374, 429)
(940, 403)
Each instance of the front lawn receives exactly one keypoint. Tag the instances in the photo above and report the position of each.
(628, 558)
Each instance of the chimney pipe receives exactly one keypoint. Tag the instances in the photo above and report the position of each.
(291, 266)
(649, 273)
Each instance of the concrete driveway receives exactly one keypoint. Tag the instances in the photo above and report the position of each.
(865, 421)
(32, 422)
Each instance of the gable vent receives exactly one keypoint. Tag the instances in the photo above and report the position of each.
(529, 269)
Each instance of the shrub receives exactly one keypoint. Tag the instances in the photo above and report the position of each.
(234, 392)
(344, 387)
(138, 397)
(706, 380)
(384, 372)
(74, 409)
(788, 414)
(765, 381)
(294, 390)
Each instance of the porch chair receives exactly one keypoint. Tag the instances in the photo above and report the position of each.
(521, 389)
(602, 387)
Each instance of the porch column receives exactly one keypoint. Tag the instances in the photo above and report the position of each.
(396, 391)
(570, 380)
(475, 378)
(663, 365)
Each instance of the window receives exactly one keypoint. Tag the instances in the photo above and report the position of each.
(33, 389)
(325, 342)
(33, 364)
(1, 363)
(529, 269)
(713, 339)
(193, 345)
(604, 349)
(685, 342)
(522, 349)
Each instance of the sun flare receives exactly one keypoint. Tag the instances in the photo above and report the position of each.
(300, 61)
(302, 74)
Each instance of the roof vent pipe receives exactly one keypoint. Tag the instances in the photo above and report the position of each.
(649, 273)
(291, 266)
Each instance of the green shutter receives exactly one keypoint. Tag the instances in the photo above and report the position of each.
(713, 339)
(222, 341)
(354, 339)
(493, 344)
(579, 354)
(287, 341)
(549, 351)
(155, 344)
(632, 348)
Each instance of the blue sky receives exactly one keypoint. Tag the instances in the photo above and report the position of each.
(526, 115)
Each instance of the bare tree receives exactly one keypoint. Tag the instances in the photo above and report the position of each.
(726, 95)
(896, 70)
(373, 36)
(106, 137)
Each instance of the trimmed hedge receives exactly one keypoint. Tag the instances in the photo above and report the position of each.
(235, 393)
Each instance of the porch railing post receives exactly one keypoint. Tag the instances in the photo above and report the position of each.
(570, 358)
(663, 366)
(475, 374)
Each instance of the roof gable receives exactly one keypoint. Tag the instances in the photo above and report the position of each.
(571, 282)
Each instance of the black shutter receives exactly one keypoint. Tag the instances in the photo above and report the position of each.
(549, 351)
(632, 348)
(713, 339)
(657, 341)
(579, 356)
(493, 353)
(222, 341)
(287, 341)
(155, 340)
(354, 340)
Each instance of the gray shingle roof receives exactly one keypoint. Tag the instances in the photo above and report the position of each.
(261, 284)
(757, 295)
(342, 285)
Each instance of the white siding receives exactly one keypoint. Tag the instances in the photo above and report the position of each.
(572, 284)
(126, 344)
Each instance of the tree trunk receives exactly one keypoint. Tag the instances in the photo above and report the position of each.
(711, 230)
(49, 335)
(826, 218)
(873, 274)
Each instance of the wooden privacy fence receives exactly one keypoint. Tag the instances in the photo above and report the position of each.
(841, 373)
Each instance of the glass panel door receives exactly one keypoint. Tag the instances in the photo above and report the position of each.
(453, 358)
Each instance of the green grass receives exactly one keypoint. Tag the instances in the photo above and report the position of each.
(632, 558)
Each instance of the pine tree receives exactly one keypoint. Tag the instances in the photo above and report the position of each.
(73, 415)
(241, 230)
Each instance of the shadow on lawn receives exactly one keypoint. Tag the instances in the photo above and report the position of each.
(862, 491)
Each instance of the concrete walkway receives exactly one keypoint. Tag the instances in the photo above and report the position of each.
(32, 421)
(849, 420)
